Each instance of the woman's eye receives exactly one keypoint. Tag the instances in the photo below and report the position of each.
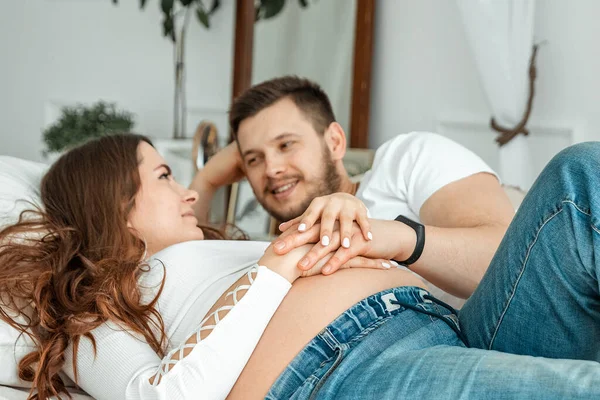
(287, 145)
(252, 161)
(166, 175)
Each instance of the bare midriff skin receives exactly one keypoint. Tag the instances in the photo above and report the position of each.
(310, 306)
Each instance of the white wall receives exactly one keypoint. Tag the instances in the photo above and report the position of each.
(421, 68)
(57, 52)
(63, 51)
(569, 65)
(424, 77)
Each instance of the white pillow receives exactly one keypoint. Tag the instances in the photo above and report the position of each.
(19, 183)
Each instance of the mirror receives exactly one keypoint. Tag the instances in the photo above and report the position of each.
(314, 42)
(318, 21)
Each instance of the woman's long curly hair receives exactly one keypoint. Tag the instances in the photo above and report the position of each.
(73, 264)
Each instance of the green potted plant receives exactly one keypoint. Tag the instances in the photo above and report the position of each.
(80, 123)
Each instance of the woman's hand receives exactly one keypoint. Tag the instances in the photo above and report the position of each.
(330, 258)
(287, 265)
(342, 207)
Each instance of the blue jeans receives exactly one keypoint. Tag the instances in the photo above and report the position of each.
(541, 293)
(540, 297)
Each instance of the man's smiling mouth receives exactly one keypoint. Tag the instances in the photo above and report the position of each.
(284, 190)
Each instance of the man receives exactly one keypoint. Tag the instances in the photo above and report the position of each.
(290, 148)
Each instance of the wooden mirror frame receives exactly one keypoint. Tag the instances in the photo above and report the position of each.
(361, 75)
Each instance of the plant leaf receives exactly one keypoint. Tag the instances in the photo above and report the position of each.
(80, 123)
(169, 27)
(303, 3)
(186, 3)
(257, 13)
(272, 8)
(203, 17)
(167, 6)
(115, 2)
(215, 6)
(142, 4)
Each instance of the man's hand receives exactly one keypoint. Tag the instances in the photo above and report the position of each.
(224, 168)
(342, 207)
(394, 242)
(287, 265)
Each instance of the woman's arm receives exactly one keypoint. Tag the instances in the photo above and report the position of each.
(125, 366)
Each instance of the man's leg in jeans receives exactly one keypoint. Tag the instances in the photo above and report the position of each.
(412, 356)
(457, 373)
(540, 295)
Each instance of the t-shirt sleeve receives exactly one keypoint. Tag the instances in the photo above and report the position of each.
(421, 163)
(125, 363)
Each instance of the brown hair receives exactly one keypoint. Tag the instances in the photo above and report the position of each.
(307, 95)
(73, 265)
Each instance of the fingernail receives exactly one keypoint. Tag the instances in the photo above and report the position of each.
(302, 227)
(385, 265)
(281, 225)
(279, 245)
(346, 243)
(395, 264)
(304, 262)
(327, 269)
(370, 236)
(325, 240)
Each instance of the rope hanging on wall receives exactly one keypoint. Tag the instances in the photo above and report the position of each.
(506, 134)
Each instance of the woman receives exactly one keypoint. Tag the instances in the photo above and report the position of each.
(108, 205)
(82, 279)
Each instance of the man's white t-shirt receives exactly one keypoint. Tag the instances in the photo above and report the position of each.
(407, 170)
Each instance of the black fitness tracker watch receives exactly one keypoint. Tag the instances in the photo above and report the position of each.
(420, 231)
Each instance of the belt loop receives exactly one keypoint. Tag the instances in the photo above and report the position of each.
(329, 339)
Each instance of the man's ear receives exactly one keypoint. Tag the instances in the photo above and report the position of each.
(335, 138)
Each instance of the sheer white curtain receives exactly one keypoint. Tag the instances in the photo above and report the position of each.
(500, 33)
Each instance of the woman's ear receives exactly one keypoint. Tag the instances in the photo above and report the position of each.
(335, 138)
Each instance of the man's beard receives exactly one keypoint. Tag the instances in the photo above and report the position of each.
(328, 183)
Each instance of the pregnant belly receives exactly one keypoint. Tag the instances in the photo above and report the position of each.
(310, 306)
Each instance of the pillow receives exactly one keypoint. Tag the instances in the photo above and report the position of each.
(19, 183)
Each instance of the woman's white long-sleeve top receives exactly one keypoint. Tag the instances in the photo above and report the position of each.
(197, 274)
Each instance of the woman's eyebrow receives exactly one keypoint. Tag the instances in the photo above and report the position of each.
(164, 166)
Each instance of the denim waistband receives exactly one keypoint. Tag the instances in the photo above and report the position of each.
(347, 330)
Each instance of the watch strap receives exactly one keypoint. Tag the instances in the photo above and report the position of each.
(420, 231)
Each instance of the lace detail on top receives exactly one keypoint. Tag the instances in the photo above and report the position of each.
(206, 326)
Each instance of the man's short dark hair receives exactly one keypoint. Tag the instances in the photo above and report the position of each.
(307, 95)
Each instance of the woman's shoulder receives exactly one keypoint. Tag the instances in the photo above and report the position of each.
(198, 262)
(211, 252)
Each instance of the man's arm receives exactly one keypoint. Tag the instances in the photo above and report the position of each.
(224, 168)
(464, 224)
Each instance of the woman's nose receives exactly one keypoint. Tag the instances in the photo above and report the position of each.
(190, 196)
